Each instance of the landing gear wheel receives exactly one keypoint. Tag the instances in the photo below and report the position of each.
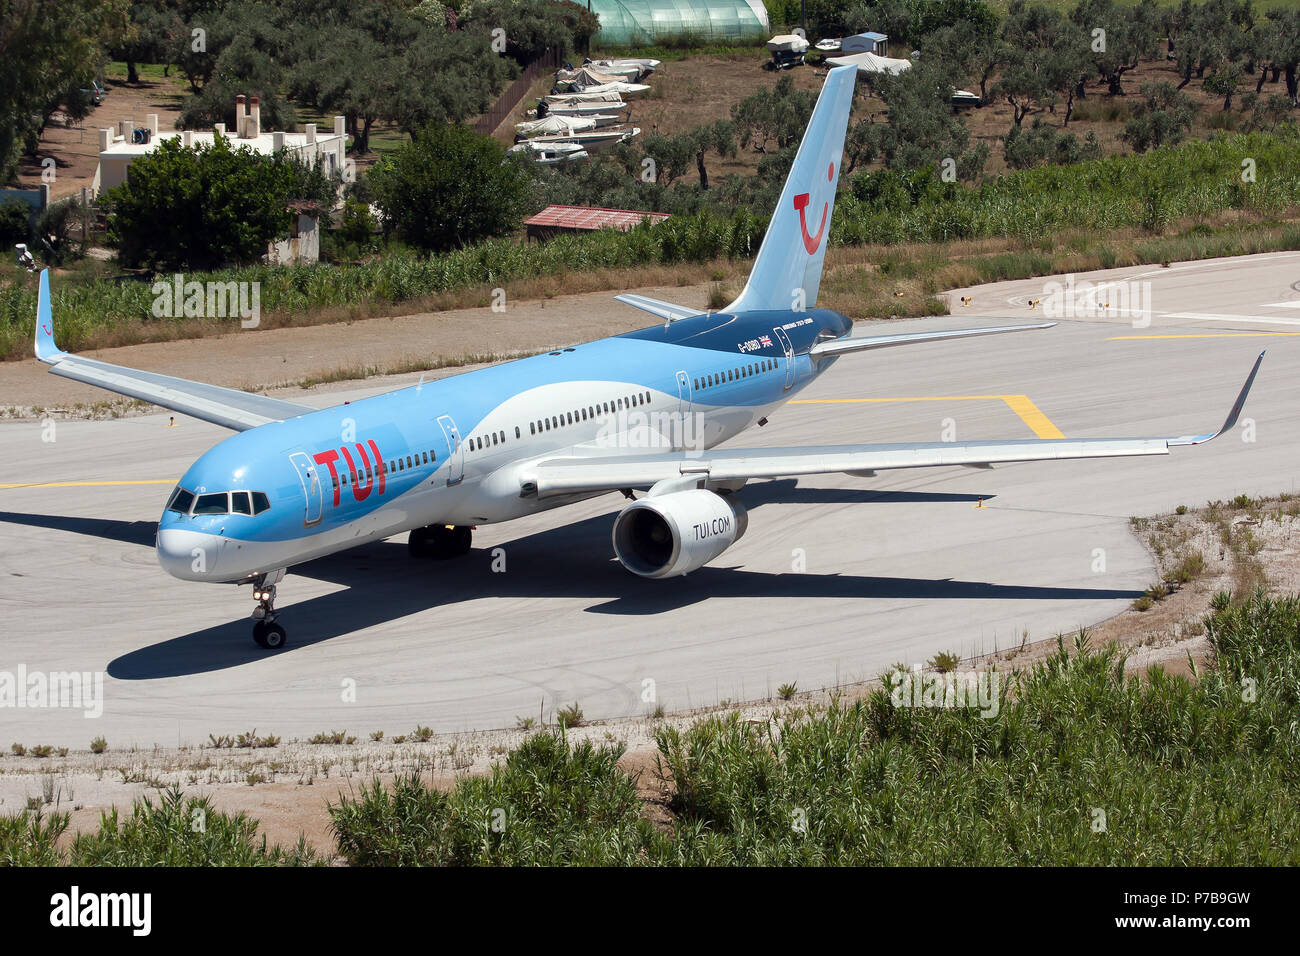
(419, 543)
(274, 637)
(440, 541)
(259, 633)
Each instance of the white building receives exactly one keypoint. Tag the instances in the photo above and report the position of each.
(119, 148)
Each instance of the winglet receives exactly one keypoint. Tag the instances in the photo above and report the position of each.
(1231, 421)
(46, 350)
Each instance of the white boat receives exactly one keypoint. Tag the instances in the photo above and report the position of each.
(627, 89)
(591, 140)
(600, 119)
(622, 69)
(787, 43)
(584, 98)
(580, 108)
(646, 66)
(554, 125)
(829, 45)
(551, 153)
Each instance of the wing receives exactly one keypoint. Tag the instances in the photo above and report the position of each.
(564, 476)
(228, 407)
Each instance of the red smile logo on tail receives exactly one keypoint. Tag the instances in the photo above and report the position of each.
(811, 243)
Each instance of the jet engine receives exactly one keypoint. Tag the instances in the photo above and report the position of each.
(663, 536)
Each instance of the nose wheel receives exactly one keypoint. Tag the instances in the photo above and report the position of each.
(266, 631)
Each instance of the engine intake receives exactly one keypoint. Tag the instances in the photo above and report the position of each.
(663, 536)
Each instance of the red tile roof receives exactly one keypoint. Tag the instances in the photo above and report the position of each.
(592, 217)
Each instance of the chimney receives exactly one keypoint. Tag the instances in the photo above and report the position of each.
(218, 129)
(340, 125)
(124, 129)
(151, 120)
(187, 138)
(105, 139)
(311, 134)
(241, 117)
(255, 123)
(277, 140)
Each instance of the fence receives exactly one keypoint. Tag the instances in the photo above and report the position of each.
(509, 100)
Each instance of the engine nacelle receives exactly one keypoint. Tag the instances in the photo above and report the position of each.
(663, 536)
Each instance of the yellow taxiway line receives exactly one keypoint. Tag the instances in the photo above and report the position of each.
(1029, 413)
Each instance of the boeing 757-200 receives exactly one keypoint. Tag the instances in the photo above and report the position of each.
(642, 411)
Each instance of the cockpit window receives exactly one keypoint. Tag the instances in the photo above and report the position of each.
(260, 502)
(180, 501)
(240, 504)
(213, 504)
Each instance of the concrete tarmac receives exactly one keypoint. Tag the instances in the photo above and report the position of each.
(837, 579)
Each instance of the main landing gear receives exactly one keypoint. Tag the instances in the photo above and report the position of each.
(440, 541)
(266, 632)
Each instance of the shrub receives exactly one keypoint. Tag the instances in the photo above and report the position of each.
(449, 188)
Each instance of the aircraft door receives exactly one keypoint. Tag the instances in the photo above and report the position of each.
(455, 450)
(683, 393)
(311, 486)
(788, 347)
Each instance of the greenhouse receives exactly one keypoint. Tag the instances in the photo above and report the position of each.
(649, 22)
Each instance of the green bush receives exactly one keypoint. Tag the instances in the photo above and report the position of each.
(450, 188)
(180, 831)
(207, 206)
(548, 804)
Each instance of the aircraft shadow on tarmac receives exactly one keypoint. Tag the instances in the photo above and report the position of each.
(382, 583)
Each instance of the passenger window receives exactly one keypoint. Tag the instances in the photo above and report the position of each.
(494, 438)
(518, 432)
(240, 504)
(213, 504)
(181, 501)
(260, 502)
(532, 428)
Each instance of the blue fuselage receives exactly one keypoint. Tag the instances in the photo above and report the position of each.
(455, 451)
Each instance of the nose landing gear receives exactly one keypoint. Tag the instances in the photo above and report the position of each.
(266, 632)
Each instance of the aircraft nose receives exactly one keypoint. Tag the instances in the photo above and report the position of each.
(188, 555)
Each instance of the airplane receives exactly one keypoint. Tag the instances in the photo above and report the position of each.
(644, 411)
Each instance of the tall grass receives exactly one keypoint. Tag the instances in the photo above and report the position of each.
(548, 804)
(1149, 190)
(1084, 765)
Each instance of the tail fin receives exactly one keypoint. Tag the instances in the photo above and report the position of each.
(788, 269)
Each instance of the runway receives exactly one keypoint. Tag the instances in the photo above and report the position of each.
(837, 579)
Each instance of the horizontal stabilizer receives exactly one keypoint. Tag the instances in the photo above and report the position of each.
(863, 343)
(665, 310)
